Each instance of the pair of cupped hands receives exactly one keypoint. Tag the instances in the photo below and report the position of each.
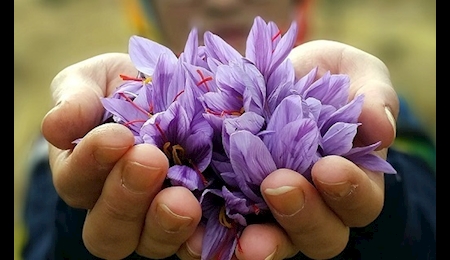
(120, 184)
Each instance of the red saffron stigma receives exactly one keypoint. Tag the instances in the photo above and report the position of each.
(238, 243)
(204, 80)
(150, 108)
(175, 98)
(125, 77)
(134, 104)
(134, 121)
(225, 112)
(162, 133)
(256, 209)
(205, 182)
(276, 35)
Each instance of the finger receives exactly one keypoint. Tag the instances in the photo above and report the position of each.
(368, 76)
(379, 113)
(192, 249)
(356, 196)
(264, 241)
(311, 225)
(172, 218)
(76, 91)
(79, 176)
(113, 226)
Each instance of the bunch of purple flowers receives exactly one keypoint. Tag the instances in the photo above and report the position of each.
(227, 120)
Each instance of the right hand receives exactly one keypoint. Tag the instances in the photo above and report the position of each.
(119, 183)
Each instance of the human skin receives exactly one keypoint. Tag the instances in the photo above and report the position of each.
(230, 19)
(120, 183)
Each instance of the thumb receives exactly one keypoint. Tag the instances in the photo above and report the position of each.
(72, 118)
(76, 91)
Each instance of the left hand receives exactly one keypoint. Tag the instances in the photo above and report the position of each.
(315, 218)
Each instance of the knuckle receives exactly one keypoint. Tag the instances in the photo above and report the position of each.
(156, 249)
(105, 251)
(326, 247)
(76, 201)
(118, 212)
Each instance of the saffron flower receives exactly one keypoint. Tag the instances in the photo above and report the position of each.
(165, 112)
(226, 120)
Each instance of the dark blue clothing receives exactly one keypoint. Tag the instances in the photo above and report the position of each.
(405, 229)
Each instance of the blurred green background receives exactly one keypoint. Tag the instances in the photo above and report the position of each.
(52, 34)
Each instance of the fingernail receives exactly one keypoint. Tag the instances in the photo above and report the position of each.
(107, 155)
(137, 177)
(285, 200)
(338, 190)
(56, 107)
(271, 256)
(391, 120)
(170, 221)
(191, 252)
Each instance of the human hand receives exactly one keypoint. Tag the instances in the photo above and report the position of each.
(118, 182)
(315, 219)
(320, 216)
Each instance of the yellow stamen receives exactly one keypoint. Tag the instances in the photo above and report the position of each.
(223, 219)
(147, 80)
(166, 150)
(177, 152)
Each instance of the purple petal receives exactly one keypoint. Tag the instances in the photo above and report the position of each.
(284, 46)
(220, 50)
(181, 175)
(250, 157)
(163, 96)
(219, 242)
(190, 53)
(339, 138)
(288, 110)
(364, 156)
(144, 54)
(211, 200)
(198, 147)
(126, 112)
(330, 89)
(373, 162)
(203, 79)
(295, 145)
(348, 113)
(220, 103)
(259, 45)
(237, 206)
(280, 84)
(305, 82)
(249, 121)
